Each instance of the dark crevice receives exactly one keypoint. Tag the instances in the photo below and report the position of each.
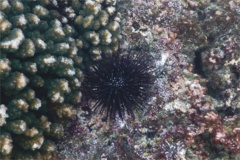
(136, 25)
(235, 72)
(201, 15)
(227, 111)
(198, 61)
(211, 37)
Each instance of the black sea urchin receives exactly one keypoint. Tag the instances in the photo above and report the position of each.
(119, 84)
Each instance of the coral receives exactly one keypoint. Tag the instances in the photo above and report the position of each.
(95, 22)
(43, 44)
(3, 114)
(5, 143)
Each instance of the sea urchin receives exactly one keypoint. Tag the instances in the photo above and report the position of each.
(120, 84)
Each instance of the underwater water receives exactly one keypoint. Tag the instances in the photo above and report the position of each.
(120, 79)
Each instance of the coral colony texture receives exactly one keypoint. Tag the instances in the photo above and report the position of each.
(119, 84)
(43, 44)
(60, 61)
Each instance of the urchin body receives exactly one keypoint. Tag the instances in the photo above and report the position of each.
(119, 85)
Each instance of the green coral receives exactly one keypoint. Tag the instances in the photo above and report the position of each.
(42, 50)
